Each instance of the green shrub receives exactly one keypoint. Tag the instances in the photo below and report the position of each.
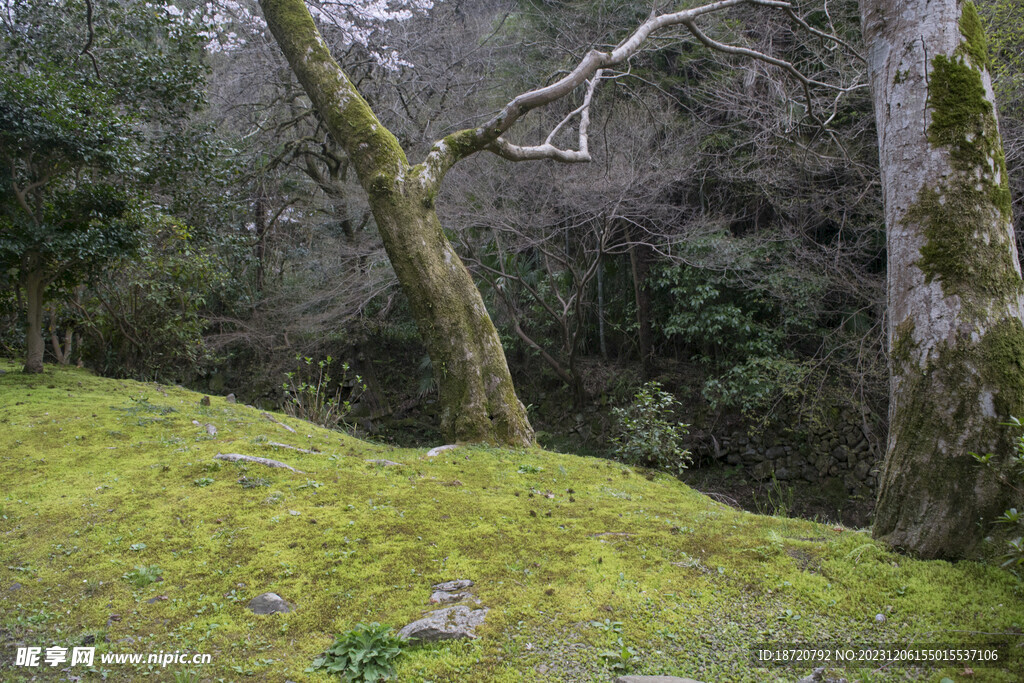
(647, 433)
(309, 395)
(362, 654)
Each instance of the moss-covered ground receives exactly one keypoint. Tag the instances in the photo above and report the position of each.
(99, 477)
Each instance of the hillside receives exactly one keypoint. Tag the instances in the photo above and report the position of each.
(570, 554)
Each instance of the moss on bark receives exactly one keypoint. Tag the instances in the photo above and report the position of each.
(478, 399)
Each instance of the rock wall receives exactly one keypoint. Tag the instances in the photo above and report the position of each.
(817, 454)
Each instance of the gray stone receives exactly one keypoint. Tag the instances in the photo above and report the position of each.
(211, 430)
(654, 679)
(269, 603)
(449, 623)
(775, 452)
(385, 463)
(237, 457)
(762, 471)
(437, 450)
(452, 586)
(861, 470)
(782, 474)
(14, 586)
(443, 597)
(230, 398)
(814, 677)
(734, 459)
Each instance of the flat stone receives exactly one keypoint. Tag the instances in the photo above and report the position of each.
(269, 603)
(440, 449)
(211, 430)
(443, 597)
(14, 586)
(452, 586)
(654, 679)
(230, 398)
(449, 623)
(385, 463)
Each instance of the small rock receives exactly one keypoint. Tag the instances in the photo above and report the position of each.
(452, 586)
(445, 624)
(204, 401)
(268, 603)
(15, 586)
(89, 639)
(294, 513)
(385, 463)
(654, 679)
(230, 398)
(195, 422)
(440, 449)
(879, 618)
(211, 430)
(443, 597)
(814, 677)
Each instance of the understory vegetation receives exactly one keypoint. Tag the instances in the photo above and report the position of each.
(588, 567)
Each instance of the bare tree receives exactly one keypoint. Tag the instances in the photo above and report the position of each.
(477, 398)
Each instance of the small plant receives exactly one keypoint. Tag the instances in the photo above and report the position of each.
(364, 653)
(622, 658)
(143, 576)
(1014, 556)
(529, 469)
(253, 483)
(309, 394)
(647, 434)
(203, 481)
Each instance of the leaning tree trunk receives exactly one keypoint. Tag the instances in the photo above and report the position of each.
(34, 284)
(478, 400)
(955, 334)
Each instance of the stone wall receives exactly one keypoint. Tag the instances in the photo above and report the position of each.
(816, 454)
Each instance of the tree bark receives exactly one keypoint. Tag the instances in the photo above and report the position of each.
(478, 400)
(639, 261)
(34, 283)
(955, 332)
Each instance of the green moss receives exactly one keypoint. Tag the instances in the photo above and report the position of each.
(1002, 366)
(693, 582)
(903, 344)
(975, 43)
(967, 246)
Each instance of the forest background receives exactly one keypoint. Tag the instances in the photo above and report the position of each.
(722, 243)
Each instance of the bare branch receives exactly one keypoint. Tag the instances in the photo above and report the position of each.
(448, 151)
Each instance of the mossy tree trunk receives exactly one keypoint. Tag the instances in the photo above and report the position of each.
(956, 339)
(478, 400)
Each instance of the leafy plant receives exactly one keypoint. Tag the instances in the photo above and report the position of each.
(648, 434)
(622, 658)
(529, 469)
(309, 394)
(364, 653)
(143, 576)
(203, 481)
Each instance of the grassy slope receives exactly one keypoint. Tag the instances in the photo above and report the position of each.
(93, 468)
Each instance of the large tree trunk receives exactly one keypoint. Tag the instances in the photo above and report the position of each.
(34, 284)
(955, 335)
(478, 400)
